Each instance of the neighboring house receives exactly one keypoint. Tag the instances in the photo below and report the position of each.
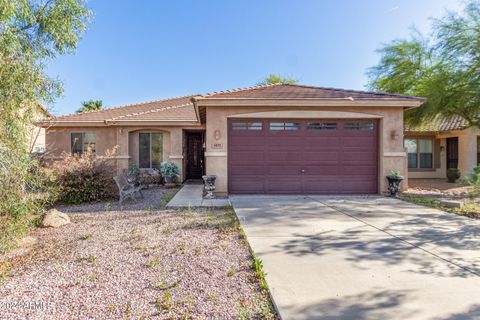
(275, 139)
(445, 142)
(36, 134)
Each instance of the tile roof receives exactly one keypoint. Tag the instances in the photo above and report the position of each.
(439, 124)
(182, 108)
(295, 91)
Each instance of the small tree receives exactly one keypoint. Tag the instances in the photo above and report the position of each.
(91, 105)
(444, 67)
(32, 32)
(276, 79)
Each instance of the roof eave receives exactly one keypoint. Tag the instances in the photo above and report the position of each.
(106, 123)
(320, 102)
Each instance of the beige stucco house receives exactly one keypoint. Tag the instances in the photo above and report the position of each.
(274, 139)
(435, 146)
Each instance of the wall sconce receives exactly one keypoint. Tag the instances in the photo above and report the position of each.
(217, 135)
(394, 135)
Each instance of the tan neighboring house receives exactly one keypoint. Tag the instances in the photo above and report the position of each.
(36, 134)
(445, 142)
(275, 139)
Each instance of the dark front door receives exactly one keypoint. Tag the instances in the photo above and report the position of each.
(452, 153)
(294, 156)
(194, 161)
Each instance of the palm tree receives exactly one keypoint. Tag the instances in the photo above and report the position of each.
(91, 105)
(276, 79)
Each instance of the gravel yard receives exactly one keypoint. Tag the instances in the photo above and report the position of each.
(137, 262)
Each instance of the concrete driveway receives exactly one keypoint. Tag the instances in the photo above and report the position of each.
(364, 257)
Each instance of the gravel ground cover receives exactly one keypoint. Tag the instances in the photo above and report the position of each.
(138, 261)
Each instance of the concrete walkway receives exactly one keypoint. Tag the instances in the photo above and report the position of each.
(190, 196)
(364, 257)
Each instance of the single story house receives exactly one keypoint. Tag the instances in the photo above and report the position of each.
(444, 143)
(274, 139)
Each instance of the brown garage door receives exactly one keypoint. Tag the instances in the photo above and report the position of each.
(295, 156)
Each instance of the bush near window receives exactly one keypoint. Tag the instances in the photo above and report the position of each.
(86, 177)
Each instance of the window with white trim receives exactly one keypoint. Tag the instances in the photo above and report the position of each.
(420, 153)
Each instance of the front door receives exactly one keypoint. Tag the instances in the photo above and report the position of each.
(194, 161)
(452, 153)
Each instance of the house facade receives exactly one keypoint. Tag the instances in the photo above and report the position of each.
(275, 139)
(444, 143)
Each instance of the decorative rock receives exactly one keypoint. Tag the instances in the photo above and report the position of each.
(26, 242)
(451, 203)
(55, 219)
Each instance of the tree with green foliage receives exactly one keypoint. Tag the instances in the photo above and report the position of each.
(90, 105)
(444, 67)
(32, 33)
(276, 79)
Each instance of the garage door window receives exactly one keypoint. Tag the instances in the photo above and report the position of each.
(359, 126)
(284, 126)
(328, 126)
(247, 126)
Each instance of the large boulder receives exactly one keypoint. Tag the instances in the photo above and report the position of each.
(55, 219)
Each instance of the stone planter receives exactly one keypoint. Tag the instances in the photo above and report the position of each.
(453, 174)
(209, 186)
(394, 184)
(169, 182)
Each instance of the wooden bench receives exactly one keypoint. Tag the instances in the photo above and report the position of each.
(126, 189)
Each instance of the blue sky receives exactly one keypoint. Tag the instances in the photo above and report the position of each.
(138, 51)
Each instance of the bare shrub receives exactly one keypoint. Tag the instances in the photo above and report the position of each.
(86, 177)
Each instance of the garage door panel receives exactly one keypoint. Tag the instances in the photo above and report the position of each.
(358, 143)
(321, 142)
(244, 170)
(274, 142)
(284, 185)
(287, 155)
(359, 156)
(319, 161)
(279, 170)
(248, 142)
(326, 169)
(325, 185)
(358, 186)
(366, 170)
(247, 185)
(318, 156)
(245, 156)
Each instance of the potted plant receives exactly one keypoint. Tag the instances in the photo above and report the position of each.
(209, 186)
(169, 172)
(133, 175)
(453, 174)
(394, 180)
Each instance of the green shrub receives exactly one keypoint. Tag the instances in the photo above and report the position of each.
(85, 178)
(473, 179)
